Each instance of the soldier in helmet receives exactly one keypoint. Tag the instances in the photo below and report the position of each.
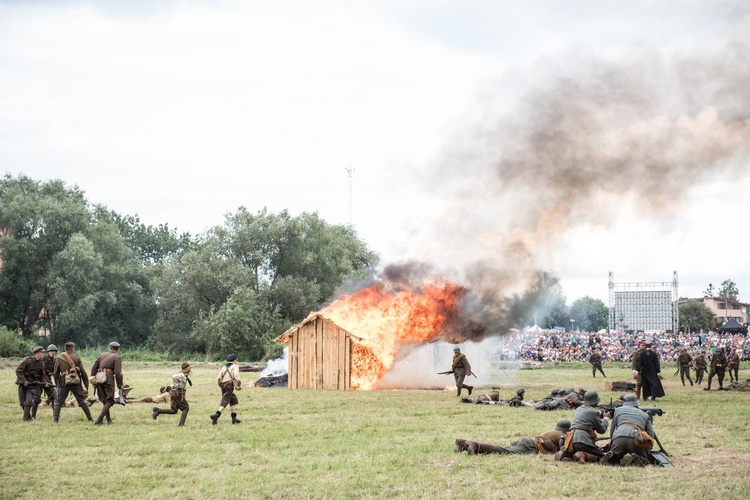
(545, 443)
(587, 422)
(110, 363)
(684, 360)
(49, 367)
(628, 419)
(733, 365)
(461, 369)
(596, 362)
(718, 368)
(700, 367)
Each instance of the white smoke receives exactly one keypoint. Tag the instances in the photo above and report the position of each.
(277, 367)
(419, 366)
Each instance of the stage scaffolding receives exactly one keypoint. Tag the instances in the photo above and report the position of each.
(643, 306)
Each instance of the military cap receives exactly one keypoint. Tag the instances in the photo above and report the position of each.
(52, 347)
(70, 345)
(630, 400)
(563, 425)
(114, 344)
(591, 398)
(231, 357)
(186, 367)
(38, 349)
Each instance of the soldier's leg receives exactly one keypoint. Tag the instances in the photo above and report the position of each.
(475, 448)
(601, 369)
(710, 377)
(77, 391)
(687, 372)
(720, 376)
(62, 393)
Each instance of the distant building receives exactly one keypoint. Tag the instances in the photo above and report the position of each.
(724, 309)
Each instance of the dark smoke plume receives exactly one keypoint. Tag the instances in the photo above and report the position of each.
(591, 136)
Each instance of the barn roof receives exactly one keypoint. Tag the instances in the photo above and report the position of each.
(284, 337)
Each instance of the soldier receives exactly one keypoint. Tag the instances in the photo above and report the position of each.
(718, 368)
(31, 377)
(49, 366)
(492, 398)
(734, 365)
(567, 402)
(461, 369)
(229, 381)
(180, 382)
(548, 442)
(163, 397)
(111, 364)
(69, 362)
(633, 366)
(700, 367)
(649, 369)
(596, 362)
(626, 421)
(586, 423)
(684, 360)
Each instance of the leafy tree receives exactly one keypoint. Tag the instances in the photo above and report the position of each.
(243, 324)
(153, 244)
(36, 221)
(695, 316)
(728, 290)
(589, 314)
(709, 291)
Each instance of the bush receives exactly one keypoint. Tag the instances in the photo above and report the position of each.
(12, 345)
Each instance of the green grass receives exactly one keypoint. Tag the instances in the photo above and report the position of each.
(318, 444)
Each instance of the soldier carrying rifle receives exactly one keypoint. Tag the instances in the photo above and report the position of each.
(31, 377)
(461, 369)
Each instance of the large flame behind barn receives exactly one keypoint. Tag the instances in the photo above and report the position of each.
(390, 319)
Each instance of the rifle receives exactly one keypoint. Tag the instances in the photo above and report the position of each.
(655, 410)
(445, 373)
(37, 382)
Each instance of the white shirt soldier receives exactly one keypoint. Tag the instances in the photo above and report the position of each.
(229, 381)
(180, 381)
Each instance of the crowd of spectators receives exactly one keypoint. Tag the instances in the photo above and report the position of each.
(550, 345)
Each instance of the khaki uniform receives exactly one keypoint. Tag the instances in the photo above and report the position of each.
(461, 369)
(596, 364)
(700, 368)
(734, 366)
(683, 361)
(111, 363)
(634, 366)
(718, 368)
(61, 369)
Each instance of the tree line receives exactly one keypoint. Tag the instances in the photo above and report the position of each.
(83, 273)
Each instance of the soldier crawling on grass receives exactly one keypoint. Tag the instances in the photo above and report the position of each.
(545, 443)
(180, 381)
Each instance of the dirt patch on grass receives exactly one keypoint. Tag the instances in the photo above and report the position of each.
(716, 461)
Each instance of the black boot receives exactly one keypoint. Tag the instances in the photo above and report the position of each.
(27, 413)
(183, 417)
(471, 388)
(33, 412)
(157, 410)
(98, 421)
(458, 391)
(56, 413)
(215, 417)
(235, 420)
(475, 448)
(87, 412)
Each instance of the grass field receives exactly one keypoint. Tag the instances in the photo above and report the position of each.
(333, 444)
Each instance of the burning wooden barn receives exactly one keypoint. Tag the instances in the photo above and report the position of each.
(323, 355)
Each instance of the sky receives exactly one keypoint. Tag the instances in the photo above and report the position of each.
(491, 140)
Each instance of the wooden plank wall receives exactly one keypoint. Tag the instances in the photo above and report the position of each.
(319, 356)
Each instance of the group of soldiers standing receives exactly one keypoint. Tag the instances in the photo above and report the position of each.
(60, 376)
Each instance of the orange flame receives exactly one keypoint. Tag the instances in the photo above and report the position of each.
(390, 319)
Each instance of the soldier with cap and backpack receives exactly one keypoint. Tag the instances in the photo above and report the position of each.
(70, 374)
(180, 381)
(229, 381)
(31, 377)
(545, 443)
(718, 368)
(107, 371)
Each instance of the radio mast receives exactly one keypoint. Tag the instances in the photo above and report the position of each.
(350, 175)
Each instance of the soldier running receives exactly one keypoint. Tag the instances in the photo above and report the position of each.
(596, 362)
(734, 365)
(180, 381)
(700, 367)
(718, 368)
(461, 369)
